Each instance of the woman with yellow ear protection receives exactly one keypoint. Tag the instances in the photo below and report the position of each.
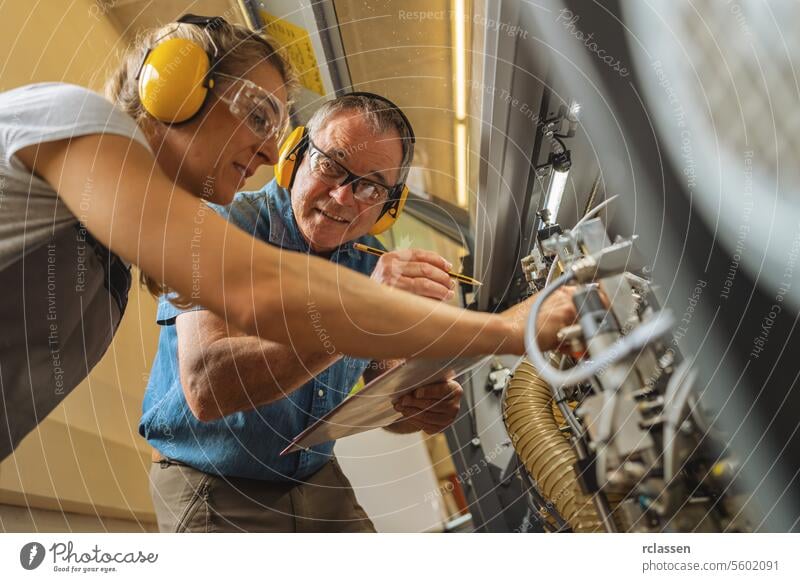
(91, 186)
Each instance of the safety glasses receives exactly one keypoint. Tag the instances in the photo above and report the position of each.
(257, 108)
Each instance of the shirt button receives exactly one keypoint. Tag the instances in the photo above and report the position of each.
(321, 393)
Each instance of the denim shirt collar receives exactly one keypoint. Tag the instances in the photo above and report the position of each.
(285, 232)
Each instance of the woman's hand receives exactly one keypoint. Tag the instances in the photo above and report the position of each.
(558, 311)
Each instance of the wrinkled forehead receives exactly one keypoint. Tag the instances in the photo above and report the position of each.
(349, 138)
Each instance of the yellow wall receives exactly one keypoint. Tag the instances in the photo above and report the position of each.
(86, 461)
(52, 40)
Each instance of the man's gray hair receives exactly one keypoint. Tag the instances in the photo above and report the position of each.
(379, 115)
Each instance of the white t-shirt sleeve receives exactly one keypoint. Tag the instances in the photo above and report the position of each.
(30, 210)
(48, 112)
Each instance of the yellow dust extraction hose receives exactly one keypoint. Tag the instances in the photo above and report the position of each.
(544, 450)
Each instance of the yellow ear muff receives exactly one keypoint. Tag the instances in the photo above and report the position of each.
(173, 82)
(287, 158)
(386, 221)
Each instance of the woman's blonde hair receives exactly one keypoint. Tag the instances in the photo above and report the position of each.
(238, 51)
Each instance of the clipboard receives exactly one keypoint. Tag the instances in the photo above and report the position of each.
(373, 406)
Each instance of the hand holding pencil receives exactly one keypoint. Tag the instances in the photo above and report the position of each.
(417, 271)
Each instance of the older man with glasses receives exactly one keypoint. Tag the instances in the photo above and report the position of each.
(220, 405)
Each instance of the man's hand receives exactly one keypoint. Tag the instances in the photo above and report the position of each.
(417, 271)
(430, 408)
(557, 311)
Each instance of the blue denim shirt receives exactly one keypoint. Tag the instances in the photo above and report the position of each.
(247, 444)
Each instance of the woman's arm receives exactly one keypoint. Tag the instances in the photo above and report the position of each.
(114, 186)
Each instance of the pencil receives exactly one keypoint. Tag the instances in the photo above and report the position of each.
(380, 253)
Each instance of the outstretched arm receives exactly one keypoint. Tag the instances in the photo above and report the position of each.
(115, 187)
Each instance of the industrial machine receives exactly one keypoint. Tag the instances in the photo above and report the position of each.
(669, 405)
(610, 433)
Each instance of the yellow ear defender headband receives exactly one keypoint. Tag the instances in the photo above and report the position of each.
(176, 74)
(294, 147)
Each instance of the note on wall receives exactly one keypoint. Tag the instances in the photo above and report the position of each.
(297, 44)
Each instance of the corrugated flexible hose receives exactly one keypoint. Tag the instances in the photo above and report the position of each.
(531, 421)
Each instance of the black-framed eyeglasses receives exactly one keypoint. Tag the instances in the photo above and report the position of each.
(334, 174)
